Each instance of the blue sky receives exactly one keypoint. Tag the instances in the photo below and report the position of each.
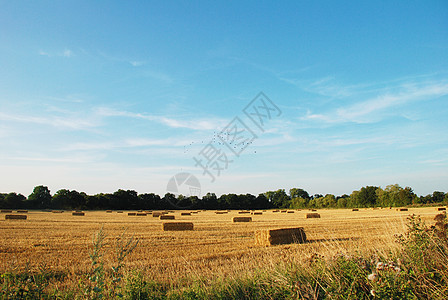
(101, 95)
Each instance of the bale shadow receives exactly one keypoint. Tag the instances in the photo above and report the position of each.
(332, 240)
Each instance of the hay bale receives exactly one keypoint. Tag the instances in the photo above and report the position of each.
(312, 215)
(283, 211)
(108, 211)
(22, 211)
(242, 219)
(57, 211)
(166, 217)
(403, 209)
(185, 214)
(313, 209)
(280, 236)
(441, 208)
(275, 210)
(355, 209)
(156, 214)
(77, 213)
(6, 211)
(220, 212)
(177, 226)
(257, 213)
(119, 212)
(15, 217)
(290, 211)
(141, 214)
(244, 212)
(132, 214)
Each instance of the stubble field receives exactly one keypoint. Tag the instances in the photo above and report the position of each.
(216, 248)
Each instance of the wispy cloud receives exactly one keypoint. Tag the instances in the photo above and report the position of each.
(73, 123)
(196, 124)
(65, 53)
(370, 110)
(136, 63)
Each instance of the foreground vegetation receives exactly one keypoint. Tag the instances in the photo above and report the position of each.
(418, 269)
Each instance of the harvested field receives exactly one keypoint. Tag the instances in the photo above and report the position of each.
(216, 247)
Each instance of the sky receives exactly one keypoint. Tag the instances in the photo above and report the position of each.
(97, 96)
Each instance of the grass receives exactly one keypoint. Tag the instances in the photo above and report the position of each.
(405, 258)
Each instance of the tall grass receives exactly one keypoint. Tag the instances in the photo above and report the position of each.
(419, 270)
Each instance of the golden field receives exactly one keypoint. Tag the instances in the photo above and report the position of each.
(216, 247)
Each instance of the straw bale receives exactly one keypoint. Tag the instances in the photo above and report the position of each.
(15, 217)
(22, 211)
(141, 214)
(166, 217)
(280, 236)
(312, 215)
(242, 219)
(177, 226)
(78, 213)
(132, 214)
(6, 211)
(185, 214)
(441, 208)
(355, 209)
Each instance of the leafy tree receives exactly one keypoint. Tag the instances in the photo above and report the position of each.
(438, 197)
(278, 198)
(14, 200)
(40, 197)
(210, 201)
(299, 193)
(299, 202)
(365, 197)
(395, 195)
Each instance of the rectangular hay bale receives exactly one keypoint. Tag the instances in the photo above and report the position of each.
(132, 214)
(242, 219)
(6, 211)
(280, 236)
(166, 217)
(15, 217)
(57, 211)
(257, 213)
(177, 226)
(403, 209)
(185, 214)
(355, 209)
(141, 214)
(441, 208)
(78, 213)
(312, 215)
(156, 214)
(22, 211)
(108, 211)
(244, 212)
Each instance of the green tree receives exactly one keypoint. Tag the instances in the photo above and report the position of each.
(40, 197)
(298, 193)
(278, 198)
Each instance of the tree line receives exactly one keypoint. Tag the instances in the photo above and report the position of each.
(368, 196)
